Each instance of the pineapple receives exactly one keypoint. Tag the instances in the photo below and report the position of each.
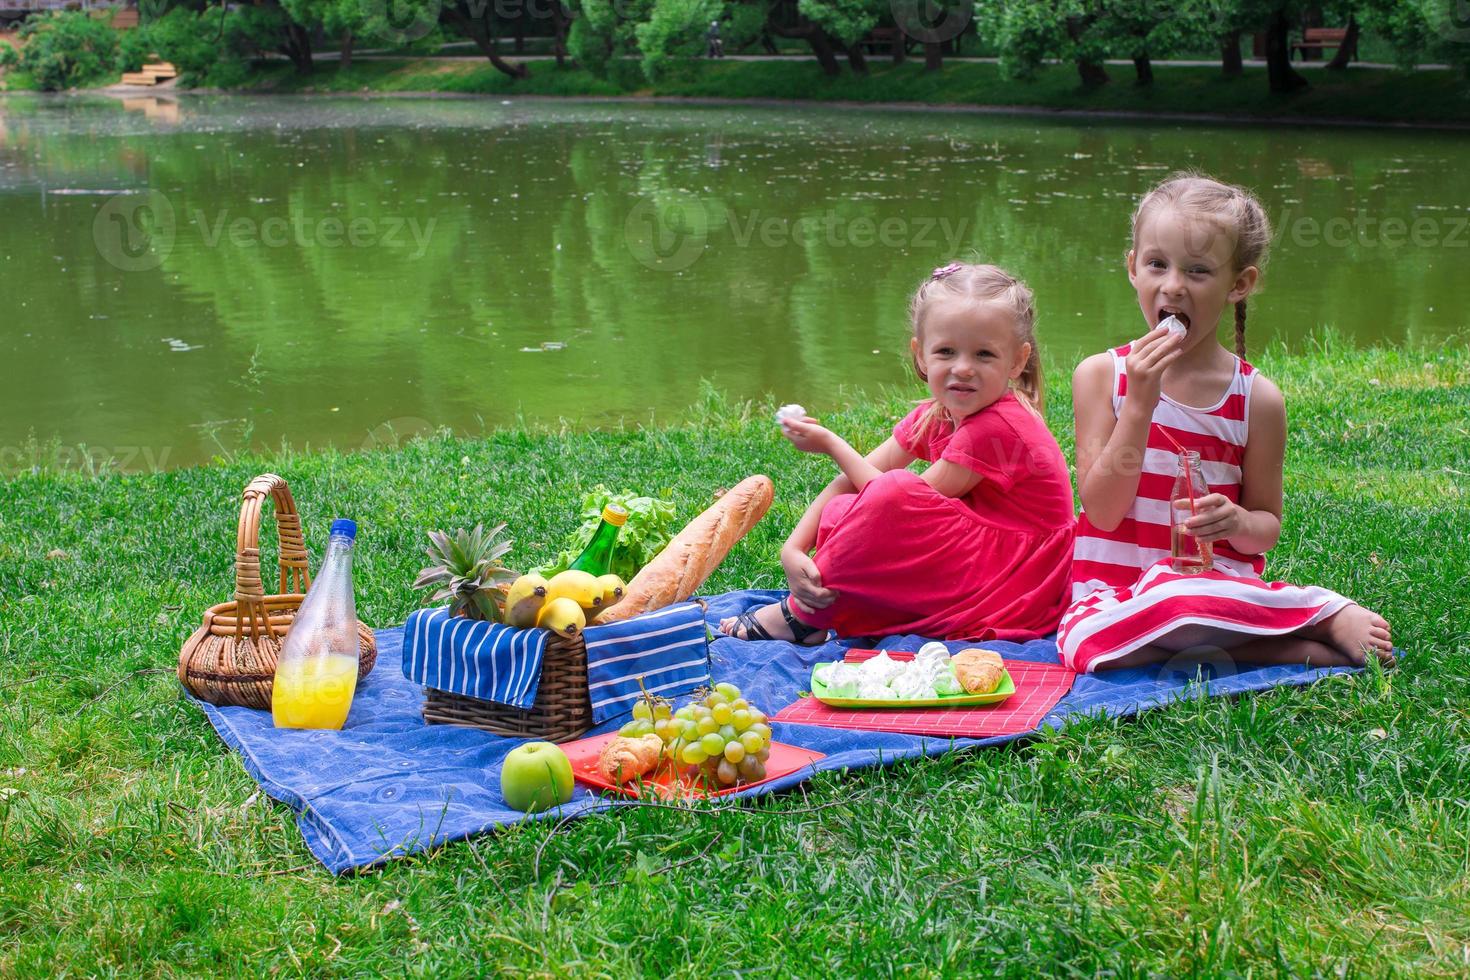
(468, 571)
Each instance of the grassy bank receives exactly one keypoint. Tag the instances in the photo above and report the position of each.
(1310, 831)
(1373, 95)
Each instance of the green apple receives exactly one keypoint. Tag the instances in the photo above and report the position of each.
(536, 776)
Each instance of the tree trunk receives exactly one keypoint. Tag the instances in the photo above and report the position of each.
(1348, 50)
(474, 29)
(821, 45)
(1092, 73)
(1231, 63)
(933, 56)
(297, 47)
(559, 33)
(1282, 76)
(855, 59)
(1144, 69)
(897, 50)
(346, 61)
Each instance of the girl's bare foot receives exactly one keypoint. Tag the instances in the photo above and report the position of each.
(1357, 632)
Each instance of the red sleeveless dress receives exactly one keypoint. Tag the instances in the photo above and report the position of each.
(1125, 595)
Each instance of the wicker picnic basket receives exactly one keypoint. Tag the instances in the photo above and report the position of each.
(231, 659)
(562, 711)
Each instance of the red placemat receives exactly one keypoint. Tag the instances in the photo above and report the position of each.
(1038, 688)
(584, 754)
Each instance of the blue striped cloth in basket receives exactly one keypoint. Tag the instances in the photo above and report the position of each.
(667, 648)
(489, 661)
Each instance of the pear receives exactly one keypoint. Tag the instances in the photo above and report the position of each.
(580, 587)
(562, 615)
(525, 599)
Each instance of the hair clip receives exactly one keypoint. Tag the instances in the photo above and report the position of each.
(946, 270)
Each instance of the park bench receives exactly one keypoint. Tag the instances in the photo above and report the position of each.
(1319, 39)
(880, 40)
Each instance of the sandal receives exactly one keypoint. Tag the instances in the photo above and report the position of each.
(753, 629)
(800, 632)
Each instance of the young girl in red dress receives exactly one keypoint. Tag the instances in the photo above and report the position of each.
(978, 544)
(1198, 246)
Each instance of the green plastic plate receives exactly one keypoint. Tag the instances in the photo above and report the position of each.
(1005, 689)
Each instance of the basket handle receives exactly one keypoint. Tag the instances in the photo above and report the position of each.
(249, 588)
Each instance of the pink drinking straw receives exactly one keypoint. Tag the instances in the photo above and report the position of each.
(1183, 458)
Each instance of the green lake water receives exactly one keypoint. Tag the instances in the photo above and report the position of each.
(182, 281)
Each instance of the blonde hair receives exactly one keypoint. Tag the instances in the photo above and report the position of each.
(981, 284)
(1232, 209)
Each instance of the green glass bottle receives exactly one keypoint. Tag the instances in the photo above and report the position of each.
(596, 558)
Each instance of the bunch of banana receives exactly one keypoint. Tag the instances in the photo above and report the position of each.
(564, 603)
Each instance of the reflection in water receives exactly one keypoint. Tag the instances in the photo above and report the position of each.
(244, 270)
(153, 108)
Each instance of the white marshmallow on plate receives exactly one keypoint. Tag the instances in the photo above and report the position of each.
(882, 668)
(788, 413)
(948, 683)
(871, 691)
(912, 685)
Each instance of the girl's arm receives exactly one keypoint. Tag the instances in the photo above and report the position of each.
(802, 574)
(1252, 526)
(1110, 450)
(889, 456)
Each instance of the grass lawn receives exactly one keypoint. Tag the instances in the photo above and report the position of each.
(1368, 94)
(1323, 830)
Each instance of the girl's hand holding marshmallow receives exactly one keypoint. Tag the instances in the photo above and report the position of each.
(1148, 359)
(809, 436)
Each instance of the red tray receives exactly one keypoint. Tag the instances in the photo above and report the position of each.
(584, 753)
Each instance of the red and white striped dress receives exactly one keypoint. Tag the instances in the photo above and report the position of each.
(1125, 595)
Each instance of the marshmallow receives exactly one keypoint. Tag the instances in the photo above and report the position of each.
(1174, 326)
(790, 413)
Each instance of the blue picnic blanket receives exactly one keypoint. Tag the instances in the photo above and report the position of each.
(388, 785)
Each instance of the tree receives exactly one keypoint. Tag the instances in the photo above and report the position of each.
(1025, 33)
(849, 21)
(605, 30)
(342, 19)
(268, 26)
(788, 20)
(474, 20)
(674, 28)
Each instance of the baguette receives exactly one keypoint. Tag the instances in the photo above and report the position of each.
(678, 571)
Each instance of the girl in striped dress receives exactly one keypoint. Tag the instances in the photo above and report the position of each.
(1198, 245)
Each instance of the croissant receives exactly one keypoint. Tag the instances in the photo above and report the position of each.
(979, 671)
(625, 759)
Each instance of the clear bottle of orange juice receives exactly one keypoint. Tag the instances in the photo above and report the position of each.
(316, 675)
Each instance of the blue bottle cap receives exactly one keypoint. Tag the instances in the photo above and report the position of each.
(344, 526)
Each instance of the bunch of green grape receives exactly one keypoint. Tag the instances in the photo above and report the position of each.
(722, 735)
